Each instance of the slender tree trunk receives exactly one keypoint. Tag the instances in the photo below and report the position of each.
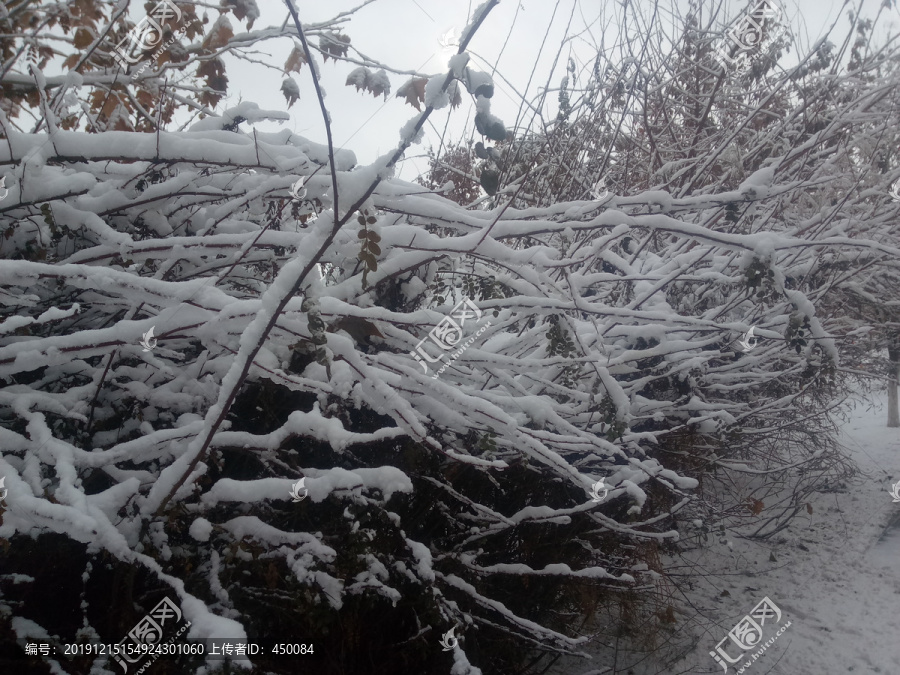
(894, 365)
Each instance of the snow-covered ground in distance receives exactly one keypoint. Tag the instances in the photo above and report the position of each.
(836, 578)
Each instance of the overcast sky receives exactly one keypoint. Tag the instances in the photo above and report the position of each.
(406, 35)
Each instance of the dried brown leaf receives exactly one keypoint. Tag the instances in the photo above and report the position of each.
(83, 38)
(334, 44)
(295, 60)
(220, 34)
(413, 91)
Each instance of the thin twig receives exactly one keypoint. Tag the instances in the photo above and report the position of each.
(325, 116)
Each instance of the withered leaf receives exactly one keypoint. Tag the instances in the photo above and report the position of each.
(413, 91)
(295, 60)
(334, 44)
(357, 328)
(83, 38)
(455, 96)
(240, 10)
(375, 83)
(755, 506)
(358, 78)
(219, 35)
(290, 90)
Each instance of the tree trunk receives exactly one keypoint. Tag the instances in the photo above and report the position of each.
(894, 365)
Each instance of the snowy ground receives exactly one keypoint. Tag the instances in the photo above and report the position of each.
(836, 577)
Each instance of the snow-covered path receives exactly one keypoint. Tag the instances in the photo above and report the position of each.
(835, 577)
(844, 593)
(837, 571)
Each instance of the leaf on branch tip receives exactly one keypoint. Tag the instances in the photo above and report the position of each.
(413, 91)
(219, 35)
(216, 80)
(490, 181)
(83, 38)
(455, 96)
(295, 60)
(478, 83)
(357, 77)
(290, 90)
(375, 83)
(490, 126)
(358, 328)
(334, 44)
(242, 10)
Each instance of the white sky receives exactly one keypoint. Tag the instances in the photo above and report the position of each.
(406, 33)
